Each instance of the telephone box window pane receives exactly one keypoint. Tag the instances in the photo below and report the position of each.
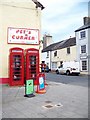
(16, 77)
(33, 60)
(16, 67)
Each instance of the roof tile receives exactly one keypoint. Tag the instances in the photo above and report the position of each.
(60, 45)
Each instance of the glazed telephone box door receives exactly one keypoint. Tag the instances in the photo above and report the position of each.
(32, 64)
(16, 67)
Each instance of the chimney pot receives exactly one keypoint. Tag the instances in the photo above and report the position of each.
(86, 20)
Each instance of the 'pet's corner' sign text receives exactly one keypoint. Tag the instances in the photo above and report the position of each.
(23, 35)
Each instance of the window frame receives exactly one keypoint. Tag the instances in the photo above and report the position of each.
(55, 53)
(83, 49)
(68, 50)
(82, 34)
(54, 65)
(85, 66)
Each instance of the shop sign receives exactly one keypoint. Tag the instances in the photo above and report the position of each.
(29, 87)
(23, 35)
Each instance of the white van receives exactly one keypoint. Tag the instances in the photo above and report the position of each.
(68, 68)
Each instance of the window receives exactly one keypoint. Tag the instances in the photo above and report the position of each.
(54, 65)
(82, 34)
(55, 53)
(83, 49)
(68, 50)
(48, 54)
(84, 65)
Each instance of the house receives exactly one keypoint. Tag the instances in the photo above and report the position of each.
(82, 40)
(59, 52)
(20, 27)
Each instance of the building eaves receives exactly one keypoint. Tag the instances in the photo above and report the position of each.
(38, 4)
(60, 45)
(56, 45)
(48, 48)
(68, 43)
(83, 27)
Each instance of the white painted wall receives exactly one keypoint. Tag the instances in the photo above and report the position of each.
(44, 58)
(79, 43)
(63, 56)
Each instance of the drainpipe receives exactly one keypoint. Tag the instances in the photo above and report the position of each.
(50, 59)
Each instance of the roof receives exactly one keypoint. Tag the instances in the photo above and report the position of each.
(60, 45)
(83, 27)
(38, 4)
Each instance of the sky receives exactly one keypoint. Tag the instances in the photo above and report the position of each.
(60, 18)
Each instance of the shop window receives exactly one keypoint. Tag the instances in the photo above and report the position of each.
(84, 65)
(83, 49)
(68, 50)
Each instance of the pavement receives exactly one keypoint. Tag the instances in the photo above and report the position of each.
(59, 101)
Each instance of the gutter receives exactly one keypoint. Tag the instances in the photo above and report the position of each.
(38, 4)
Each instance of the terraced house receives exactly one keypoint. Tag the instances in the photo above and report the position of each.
(82, 41)
(56, 53)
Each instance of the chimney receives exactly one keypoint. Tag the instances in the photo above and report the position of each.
(86, 20)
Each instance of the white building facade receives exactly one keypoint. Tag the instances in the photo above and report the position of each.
(56, 53)
(46, 57)
(82, 44)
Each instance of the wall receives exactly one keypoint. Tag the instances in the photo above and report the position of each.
(89, 52)
(79, 43)
(47, 60)
(63, 56)
(17, 15)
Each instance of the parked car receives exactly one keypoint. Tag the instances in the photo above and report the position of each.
(68, 68)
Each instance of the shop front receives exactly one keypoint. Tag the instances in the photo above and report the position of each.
(20, 41)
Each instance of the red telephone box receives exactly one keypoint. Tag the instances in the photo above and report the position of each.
(32, 64)
(16, 73)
